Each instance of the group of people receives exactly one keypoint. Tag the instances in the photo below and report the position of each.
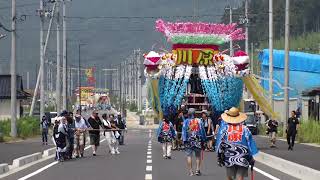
(291, 130)
(70, 132)
(210, 124)
(233, 138)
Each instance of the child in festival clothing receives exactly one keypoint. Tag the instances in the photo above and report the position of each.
(166, 134)
(235, 145)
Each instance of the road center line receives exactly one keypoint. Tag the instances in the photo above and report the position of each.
(149, 161)
(149, 168)
(149, 153)
(265, 174)
(148, 177)
(149, 157)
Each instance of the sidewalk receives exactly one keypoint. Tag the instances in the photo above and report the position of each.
(133, 122)
(11, 151)
(302, 154)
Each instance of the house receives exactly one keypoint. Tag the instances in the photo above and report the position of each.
(313, 97)
(5, 96)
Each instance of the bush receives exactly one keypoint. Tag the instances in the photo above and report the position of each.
(133, 107)
(26, 127)
(309, 132)
(5, 127)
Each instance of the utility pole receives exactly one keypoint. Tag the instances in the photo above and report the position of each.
(286, 65)
(230, 22)
(251, 62)
(79, 76)
(271, 52)
(28, 80)
(41, 60)
(120, 81)
(64, 59)
(41, 13)
(247, 26)
(13, 72)
(58, 81)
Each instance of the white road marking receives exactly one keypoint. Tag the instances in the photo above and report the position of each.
(149, 157)
(149, 161)
(38, 171)
(265, 174)
(46, 167)
(149, 168)
(149, 146)
(148, 177)
(149, 153)
(149, 149)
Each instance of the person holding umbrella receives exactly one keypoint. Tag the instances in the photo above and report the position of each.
(235, 145)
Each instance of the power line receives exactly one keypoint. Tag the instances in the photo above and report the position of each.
(21, 5)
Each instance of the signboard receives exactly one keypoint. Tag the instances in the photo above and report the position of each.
(86, 94)
(195, 54)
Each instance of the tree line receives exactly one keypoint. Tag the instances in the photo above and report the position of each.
(304, 18)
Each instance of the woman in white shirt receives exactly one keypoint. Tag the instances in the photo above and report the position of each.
(110, 134)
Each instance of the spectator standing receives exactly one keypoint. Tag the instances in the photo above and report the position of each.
(272, 129)
(94, 134)
(292, 129)
(45, 127)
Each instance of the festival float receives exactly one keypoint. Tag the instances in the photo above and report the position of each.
(196, 74)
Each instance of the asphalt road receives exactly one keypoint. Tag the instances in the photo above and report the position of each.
(135, 162)
(302, 154)
(13, 150)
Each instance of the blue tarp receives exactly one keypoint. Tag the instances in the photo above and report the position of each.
(304, 71)
(299, 61)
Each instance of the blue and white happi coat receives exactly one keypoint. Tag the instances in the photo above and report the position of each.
(236, 144)
(166, 132)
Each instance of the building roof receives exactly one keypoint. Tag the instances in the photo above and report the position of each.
(5, 88)
(311, 92)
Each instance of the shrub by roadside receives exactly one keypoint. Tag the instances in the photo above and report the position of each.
(309, 132)
(26, 127)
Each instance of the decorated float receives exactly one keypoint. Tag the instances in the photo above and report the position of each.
(195, 73)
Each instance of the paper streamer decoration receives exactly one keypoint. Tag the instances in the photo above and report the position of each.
(199, 33)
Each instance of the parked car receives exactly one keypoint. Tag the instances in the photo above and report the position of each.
(252, 123)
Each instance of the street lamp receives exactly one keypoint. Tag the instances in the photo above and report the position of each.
(79, 73)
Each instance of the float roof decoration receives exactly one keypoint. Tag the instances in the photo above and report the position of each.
(199, 32)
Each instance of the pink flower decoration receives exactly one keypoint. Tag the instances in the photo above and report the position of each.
(230, 30)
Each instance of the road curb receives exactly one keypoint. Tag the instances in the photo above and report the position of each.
(4, 168)
(49, 152)
(26, 160)
(288, 167)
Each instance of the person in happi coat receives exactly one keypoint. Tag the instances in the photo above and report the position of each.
(235, 145)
